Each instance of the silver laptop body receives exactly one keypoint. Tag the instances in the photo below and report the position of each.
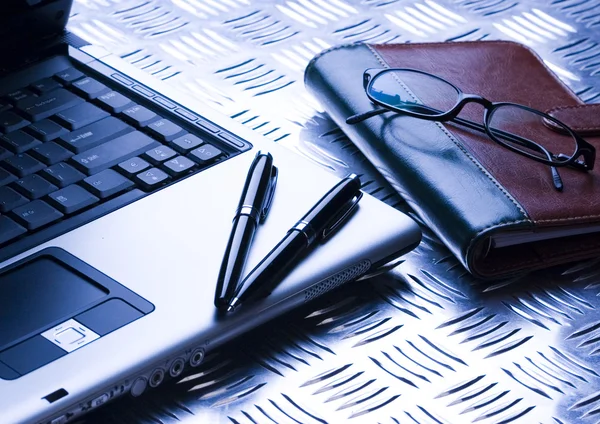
(162, 253)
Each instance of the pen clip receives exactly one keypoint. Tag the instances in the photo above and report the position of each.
(342, 216)
(270, 194)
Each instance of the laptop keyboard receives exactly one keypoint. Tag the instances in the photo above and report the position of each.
(69, 144)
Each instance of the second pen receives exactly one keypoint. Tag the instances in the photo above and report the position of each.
(253, 207)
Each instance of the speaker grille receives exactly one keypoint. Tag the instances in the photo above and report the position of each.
(332, 282)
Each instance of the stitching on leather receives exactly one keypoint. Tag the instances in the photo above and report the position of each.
(574, 127)
(584, 106)
(511, 43)
(313, 61)
(570, 218)
(459, 145)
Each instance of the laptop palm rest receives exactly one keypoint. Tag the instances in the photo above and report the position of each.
(51, 304)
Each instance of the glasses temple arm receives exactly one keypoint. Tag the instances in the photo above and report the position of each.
(355, 119)
(558, 184)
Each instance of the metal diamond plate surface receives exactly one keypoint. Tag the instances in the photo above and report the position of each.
(423, 342)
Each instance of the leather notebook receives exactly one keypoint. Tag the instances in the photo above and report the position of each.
(497, 211)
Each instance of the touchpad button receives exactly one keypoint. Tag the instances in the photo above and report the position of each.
(108, 316)
(70, 335)
(31, 354)
(7, 373)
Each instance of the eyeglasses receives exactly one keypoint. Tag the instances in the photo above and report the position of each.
(514, 126)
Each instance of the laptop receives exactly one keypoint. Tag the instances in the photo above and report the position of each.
(117, 196)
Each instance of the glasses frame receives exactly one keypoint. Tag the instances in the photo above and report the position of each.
(584, 149)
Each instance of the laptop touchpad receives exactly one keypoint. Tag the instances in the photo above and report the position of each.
(38, 293)
(53, 303)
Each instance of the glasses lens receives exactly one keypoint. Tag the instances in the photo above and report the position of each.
(524, 130)
(414, 92)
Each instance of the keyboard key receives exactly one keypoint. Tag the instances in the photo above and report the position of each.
(231, 139)
(10, 121)
(143, 90)
(62, 174)
(178, 166)
(113, 152)
(46, 130)
(68, 75)
(151, 178)
(4, 153)
(80, 116)
(139, 115)
(186, 114)
(160, 154)
(48, 104)
(36, 214)
(89, 88)
(94, 134)
(19, 141)
(22, 164)
(132, 166)
(205, 154)
(164, 130)
(114, 102)
(10, 199)
(34, 186)
(208, 126)
(44, 85)
(186, 142)
(6, 177)
(9, 229)
(5, 105)
(164, 102)
(72, 199)
(122, 79)
(50, 153)
(107, 183)
(15, 96)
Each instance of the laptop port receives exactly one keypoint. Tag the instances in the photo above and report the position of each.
(197, 357)
(177, 367)
(157, 377)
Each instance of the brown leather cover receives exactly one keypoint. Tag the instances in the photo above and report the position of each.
(584, 119)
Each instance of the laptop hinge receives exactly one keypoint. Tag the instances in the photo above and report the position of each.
(30, 27)
(13, 59)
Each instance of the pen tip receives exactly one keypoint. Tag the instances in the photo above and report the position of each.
(232, 305)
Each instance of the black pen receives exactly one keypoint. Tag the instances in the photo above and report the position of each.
(327, 215)
(253, 208)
